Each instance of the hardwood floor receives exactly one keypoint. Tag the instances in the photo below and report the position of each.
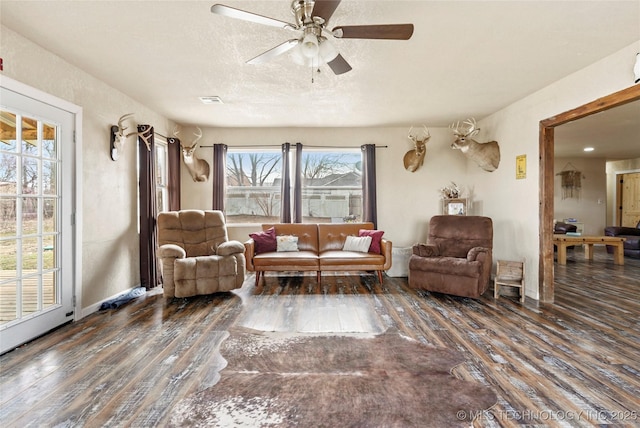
(571, 363)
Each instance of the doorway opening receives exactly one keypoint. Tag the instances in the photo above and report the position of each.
(546, 145)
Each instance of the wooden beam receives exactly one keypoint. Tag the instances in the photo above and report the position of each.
(546, 282)
(8, 132)
(605, 103)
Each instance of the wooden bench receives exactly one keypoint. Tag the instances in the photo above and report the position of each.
(509, 274)
(563, 241)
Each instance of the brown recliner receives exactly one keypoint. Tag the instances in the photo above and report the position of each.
(457, 257)
(196, 254)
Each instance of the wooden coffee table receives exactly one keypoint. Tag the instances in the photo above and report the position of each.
(563, 241)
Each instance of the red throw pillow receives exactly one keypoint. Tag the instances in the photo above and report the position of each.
(265, 241)
(376, 237)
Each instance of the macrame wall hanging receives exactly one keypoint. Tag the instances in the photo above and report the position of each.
(571, 181)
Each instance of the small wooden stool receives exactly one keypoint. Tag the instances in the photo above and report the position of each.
(510, 274)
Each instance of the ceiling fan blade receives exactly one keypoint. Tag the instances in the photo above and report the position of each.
(231, 12)
(388, 31)
(325, 8)
(339, 65)
(274, 52)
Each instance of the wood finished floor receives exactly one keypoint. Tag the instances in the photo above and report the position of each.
(571, 363)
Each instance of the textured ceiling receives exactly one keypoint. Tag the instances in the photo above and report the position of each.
(466, 58)
(614, 134)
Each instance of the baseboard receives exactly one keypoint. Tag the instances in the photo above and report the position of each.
(96, 306)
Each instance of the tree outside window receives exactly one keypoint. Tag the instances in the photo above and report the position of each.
(331, 185)
(253, 186)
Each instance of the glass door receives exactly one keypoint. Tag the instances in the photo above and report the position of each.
(36, 218)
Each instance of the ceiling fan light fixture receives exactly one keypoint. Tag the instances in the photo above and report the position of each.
(312, 48)
(328, 52)
(298, 58)
(309, 46)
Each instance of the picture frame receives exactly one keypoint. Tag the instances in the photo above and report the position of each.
(454, 206)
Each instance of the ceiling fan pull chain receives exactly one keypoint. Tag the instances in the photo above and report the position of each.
(315, 69)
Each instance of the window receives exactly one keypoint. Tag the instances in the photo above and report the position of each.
(162, 176)
(253, 186)
(331, 185)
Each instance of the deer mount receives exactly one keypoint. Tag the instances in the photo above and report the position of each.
(197, 167)
(486, 155)
(414, 158)
(118, 137)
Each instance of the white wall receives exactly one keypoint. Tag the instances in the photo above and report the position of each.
(406, 200)
(110, 248)
(513, 204)
(590, 204)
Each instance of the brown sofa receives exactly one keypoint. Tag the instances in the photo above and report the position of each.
(319, 249)
(457, 258)
(196, 255)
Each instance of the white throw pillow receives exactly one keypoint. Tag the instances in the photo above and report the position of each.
(287, 243)
(357, 243)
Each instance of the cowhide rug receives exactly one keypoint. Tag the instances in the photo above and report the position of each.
(285, 380)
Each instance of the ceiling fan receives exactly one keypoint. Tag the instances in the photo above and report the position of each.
(312, 46)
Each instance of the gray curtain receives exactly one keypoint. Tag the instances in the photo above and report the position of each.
(149, 270)
(285, 185)
(369, 202)
(219, 174)
(173, 180)
(297, 186)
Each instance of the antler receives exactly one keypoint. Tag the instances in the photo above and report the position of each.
(472, 130)
(120, 136)
(469, 131)
(426, 132)
(198, 136)
(414, 138)
(121, 122)
(456, 129)
(194, 143)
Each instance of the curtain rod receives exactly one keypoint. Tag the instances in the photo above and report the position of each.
(315, 147)
(280, 145)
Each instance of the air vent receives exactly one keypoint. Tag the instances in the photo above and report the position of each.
(211, 100)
